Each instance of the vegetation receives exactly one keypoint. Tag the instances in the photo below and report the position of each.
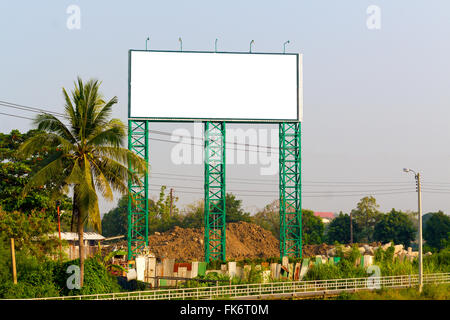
(396, 227)
(87, 155)
(164, 214)
(32, 232)
(312, 228)
(437, 231)
(366, 215)
(41, 277)
(15, 172)
(430, 292)
(338, 230)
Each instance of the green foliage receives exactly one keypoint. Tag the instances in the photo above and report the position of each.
(269, 218)
(312, 228)
(437, 230)
(34, 276)
(31, 232)
(115, 221)
(429, 292)
(366, 216)
(96, 278)
(395, 226)
(88, 154)
(15, 173)
(339, 229)
(235, 212)
(194, 215)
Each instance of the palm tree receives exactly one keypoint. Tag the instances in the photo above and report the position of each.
(89, 155)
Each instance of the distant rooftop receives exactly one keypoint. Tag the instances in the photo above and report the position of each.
(71, 236)
(325, 215)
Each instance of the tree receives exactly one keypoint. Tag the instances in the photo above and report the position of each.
(194, 215)
(88, 155)
(395, 226)
(14, 175)
(312, 228)
(366, 215)
(234, 210)
(339, 229)
(32, 232)
(437, 230)
(115, 221)
(269, 218)
(163, 214)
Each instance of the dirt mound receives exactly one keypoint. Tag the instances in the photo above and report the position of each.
(243, 240)
(312, 250)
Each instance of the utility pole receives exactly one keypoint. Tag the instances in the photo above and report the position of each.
(171, 201)
(351, 228)
(419, 203)
(58, 203)
(13, 258)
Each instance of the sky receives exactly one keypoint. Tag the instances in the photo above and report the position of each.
(376, 92)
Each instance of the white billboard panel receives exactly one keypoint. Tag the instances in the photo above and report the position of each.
(186, 86)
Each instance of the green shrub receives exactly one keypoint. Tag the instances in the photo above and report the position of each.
(96, 278)
(34, 277)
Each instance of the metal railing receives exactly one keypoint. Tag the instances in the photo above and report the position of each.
(293, 288)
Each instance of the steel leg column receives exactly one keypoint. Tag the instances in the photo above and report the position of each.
(138, 201)
(215, 191)
(290, 190)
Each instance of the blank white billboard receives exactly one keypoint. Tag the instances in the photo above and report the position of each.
(186, 86)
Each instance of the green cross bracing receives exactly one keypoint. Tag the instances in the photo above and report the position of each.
(215, 191)
(290, 190)
(138, 199)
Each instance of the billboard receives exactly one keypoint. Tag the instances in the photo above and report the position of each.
(221, 86)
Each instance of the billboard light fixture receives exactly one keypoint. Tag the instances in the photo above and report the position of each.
(181, 43)
(146, 40)
(251, 42)
(284, 46)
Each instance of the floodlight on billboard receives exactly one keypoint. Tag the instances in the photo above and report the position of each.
(215, 86)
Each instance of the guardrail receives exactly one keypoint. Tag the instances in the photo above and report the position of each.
(242, 291)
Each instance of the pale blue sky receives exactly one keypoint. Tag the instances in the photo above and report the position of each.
(375, 101)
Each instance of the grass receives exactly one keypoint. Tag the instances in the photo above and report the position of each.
(429, 292)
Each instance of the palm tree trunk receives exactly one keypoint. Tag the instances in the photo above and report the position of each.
(77, 212)
(81, 247)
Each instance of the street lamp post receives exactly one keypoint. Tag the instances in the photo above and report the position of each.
(419, 203)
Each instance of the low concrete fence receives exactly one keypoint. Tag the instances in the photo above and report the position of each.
(261, 290)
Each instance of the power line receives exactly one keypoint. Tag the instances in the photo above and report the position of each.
(40, 110)
(12, 115)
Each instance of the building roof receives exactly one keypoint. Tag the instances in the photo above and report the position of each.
(71, 236)
(325, 215)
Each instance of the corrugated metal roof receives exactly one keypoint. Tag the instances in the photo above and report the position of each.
(86, 235)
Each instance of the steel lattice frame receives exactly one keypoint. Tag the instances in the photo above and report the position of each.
(290, 190)
(138, 200)
(215, 191)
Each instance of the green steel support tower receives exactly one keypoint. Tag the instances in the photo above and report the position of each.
(290, 190)
(215, 191)
(138, 201)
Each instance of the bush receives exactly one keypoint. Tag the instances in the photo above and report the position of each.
(34, 277)
(96, 278)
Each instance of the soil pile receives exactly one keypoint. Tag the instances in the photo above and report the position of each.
(243, 240)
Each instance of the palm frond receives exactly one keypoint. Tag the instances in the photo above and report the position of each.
(51, 171)
(49, 123)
